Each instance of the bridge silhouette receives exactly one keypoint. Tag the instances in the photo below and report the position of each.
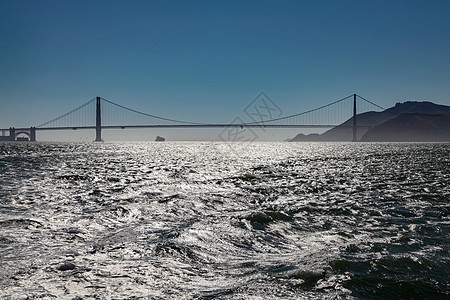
(100, 113)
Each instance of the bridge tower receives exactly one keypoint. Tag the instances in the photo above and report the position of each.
(354, 118)
(98, 122)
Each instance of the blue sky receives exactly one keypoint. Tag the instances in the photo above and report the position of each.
(206, 60)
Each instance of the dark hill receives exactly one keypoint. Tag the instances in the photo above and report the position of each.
(344, 131)
(411, 127)
(418, 107)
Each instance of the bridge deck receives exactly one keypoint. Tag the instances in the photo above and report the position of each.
(188, 126)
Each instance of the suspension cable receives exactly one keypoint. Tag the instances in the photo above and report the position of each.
(153, 116)
(380, 107)
(68, 113)
(387, 110)
(196, 123)
(302, 113)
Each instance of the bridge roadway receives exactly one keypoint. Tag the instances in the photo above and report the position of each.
(31, 132)
(224, 125)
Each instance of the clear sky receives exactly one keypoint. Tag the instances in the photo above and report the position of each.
(206, 60)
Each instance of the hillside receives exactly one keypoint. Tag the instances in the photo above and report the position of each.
(411, 128)
(344, 131)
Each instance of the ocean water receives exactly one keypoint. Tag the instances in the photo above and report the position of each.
(224, 221)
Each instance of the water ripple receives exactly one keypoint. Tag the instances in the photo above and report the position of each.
(220, 220)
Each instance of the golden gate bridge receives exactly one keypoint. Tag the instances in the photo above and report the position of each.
(100, 113)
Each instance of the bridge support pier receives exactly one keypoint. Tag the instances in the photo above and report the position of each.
(354, 118)
(12, 134)
(98, 122)
(32, 134)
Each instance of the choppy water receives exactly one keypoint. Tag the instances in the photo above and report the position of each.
(226, 221)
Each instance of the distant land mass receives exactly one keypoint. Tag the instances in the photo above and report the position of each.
(411, 121)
